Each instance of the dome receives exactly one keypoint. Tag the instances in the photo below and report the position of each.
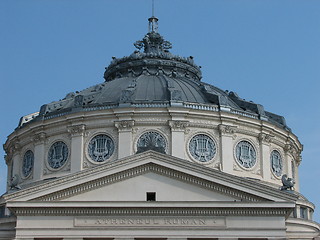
(154, 139)
(153, 77)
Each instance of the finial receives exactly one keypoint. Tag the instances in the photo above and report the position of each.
(153, 21)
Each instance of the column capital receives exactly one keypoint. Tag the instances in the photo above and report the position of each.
(39, 138)
(124, 125)
(265, 138)
(227, 129)
(178, 125)
(289, 148)
(76, 130)
(12, 148)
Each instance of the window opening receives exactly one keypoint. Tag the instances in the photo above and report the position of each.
(151, 196)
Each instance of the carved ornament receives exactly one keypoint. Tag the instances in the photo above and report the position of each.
(290, 149)
(177, 125)
(227, 129)
(39, 138)
(124, 125)
(76, 130)
(265, 138)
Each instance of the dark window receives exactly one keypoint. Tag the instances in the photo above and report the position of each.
(151, 196)
(150, 238)
(303, 212)
(203, 238)
(48, 239)
(253, 238)
(98, 238)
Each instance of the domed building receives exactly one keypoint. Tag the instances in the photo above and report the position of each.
(154, 153)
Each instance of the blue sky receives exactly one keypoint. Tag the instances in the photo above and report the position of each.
(267, 51)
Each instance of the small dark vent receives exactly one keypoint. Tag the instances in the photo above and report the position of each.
(151, 196)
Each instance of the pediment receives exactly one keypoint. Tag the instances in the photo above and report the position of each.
(172, 179)
(161, 187)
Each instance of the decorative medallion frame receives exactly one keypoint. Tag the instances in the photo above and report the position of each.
(210, 135)
(257, 163)
(24, 151)
(66, 166)
(146, 130)
(87, 141)
(282, 160)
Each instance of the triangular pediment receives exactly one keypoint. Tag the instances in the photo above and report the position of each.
(151, 185)
(172, 179)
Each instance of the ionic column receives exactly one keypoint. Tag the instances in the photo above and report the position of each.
(265, 164)
(124, 137)
(9, 162)
(288, 166)
(178, 129)
(14, 157)
(298, 211)
(77, 146)
(227, 134)
(39, 141)
(296, 178)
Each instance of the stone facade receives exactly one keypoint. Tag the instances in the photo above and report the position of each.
(188, 161)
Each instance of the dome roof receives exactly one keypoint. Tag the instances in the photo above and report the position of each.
(153, 77)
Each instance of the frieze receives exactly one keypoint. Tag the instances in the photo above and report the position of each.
(207, 125)
(247, 132)
(150, 222)
(143, 120)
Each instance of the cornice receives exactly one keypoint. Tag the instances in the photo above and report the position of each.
(300, 222)
(238, 120)
(150, 211)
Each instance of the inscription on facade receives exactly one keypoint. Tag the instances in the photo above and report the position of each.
(148, 222)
